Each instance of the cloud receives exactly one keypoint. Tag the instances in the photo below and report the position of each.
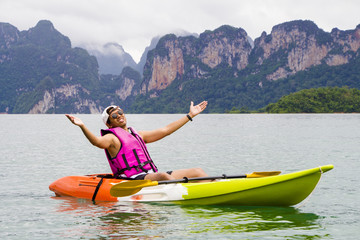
(134, 23)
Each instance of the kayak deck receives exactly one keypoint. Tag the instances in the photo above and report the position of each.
(282, 190)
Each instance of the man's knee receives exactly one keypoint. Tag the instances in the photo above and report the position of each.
(164, 176)
(198, 172)
(159, 176)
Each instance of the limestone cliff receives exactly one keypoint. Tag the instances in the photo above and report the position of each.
(71, 96)
(44, 105)
(225, 44)
(291, 47)
(349, 40)
(175, 56)
(166, 69)
(299, 45)
(126, 89)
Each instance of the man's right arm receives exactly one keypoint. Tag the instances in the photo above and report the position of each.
(104, 142)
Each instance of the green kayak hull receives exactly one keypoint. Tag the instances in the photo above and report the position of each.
(283, 190)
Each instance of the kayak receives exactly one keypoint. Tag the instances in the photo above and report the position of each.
(280, 190)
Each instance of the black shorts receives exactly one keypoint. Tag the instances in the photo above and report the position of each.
(142, 176)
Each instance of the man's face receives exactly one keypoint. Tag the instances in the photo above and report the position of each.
(117, 118)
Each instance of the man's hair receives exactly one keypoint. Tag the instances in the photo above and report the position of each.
(108, 111)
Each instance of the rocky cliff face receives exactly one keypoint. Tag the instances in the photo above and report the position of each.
(67, 95)
(293, 46)
(126, 89)
(175, 56)
(349, 40)
(166, 69)
(299, 45)
(225, 45)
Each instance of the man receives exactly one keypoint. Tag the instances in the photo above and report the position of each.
(126, 150)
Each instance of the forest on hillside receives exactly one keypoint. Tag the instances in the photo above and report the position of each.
(318, 100)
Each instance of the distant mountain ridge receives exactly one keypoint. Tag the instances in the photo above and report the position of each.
(112, 58)
(41, 73)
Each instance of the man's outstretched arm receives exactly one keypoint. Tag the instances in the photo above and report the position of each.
(157, 134)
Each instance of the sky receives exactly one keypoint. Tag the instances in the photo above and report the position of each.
(133, 23)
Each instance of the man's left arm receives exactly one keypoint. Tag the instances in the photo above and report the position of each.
(155, 135)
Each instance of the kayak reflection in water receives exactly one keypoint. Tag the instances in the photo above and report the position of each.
(126, 149)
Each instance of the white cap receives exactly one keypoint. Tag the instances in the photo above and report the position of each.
(105, 115)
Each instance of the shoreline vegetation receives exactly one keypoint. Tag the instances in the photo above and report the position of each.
(314, 100)
(328, 100)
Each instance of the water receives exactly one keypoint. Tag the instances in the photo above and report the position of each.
(38, 149)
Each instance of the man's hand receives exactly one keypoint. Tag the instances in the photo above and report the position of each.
(76, 121)
(195, 110)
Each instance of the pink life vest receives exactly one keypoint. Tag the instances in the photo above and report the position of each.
(133, 157)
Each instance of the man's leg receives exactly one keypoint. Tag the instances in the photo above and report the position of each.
(159, 176)
(189, 173)
(176, 174)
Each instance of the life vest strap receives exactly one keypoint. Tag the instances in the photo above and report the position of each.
(137, 167)
(140, 164)
(126, 163)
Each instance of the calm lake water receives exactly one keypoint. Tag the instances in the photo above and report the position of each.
(35, 150)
